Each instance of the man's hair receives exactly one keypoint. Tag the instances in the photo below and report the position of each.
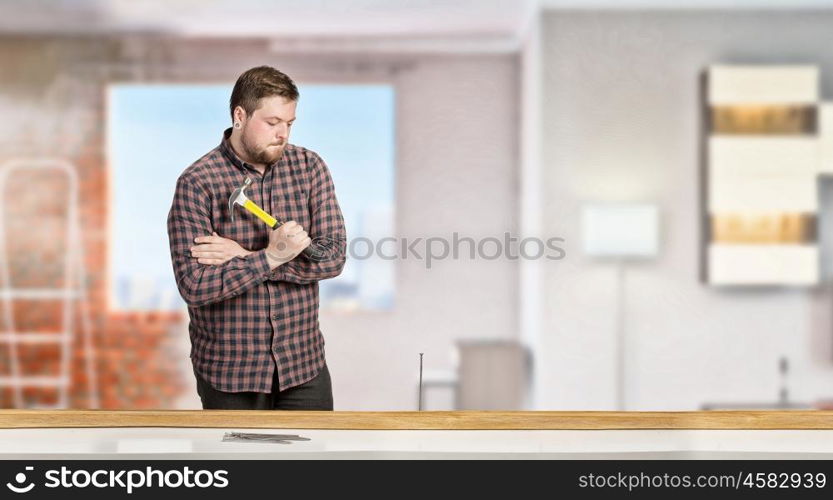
(257, 83)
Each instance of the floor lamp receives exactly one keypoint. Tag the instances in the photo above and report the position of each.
(621, 233)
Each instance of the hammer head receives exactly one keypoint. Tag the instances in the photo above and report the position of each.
(238, 196)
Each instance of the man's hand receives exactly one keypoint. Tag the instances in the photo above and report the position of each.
(285, 243)
(216, 250)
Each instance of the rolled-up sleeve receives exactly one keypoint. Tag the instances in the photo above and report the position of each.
(326, 230)
(201, 284)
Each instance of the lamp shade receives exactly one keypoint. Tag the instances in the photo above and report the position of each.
(623, 230)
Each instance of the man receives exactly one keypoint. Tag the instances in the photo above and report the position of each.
(252, 295)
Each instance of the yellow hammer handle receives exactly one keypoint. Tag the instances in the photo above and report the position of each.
(253, 208)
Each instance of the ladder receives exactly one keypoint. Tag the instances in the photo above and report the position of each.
(72, 293)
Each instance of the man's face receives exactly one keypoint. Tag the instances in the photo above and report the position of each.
(265, 133)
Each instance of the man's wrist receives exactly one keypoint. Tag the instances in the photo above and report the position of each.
(274, 260)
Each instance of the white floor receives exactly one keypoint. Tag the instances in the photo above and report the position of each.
(190, 443)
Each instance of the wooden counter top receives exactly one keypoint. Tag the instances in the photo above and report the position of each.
(436, 420)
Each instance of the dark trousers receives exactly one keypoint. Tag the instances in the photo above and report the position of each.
(316, 394)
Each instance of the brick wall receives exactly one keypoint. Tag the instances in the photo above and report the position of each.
(53, 93)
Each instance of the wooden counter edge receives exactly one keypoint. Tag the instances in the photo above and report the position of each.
(435, 420)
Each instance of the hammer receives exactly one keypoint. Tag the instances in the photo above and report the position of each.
(238, 197)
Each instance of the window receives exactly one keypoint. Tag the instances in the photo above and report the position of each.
(156, 131)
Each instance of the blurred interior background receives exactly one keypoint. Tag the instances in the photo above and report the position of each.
(679, 153)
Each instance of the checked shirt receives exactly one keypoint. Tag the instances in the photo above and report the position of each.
(247, 320)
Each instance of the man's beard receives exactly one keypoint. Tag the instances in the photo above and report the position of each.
(265, 156)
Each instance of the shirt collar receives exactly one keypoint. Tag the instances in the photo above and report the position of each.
(228, 152)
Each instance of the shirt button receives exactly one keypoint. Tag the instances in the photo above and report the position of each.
(276, 316)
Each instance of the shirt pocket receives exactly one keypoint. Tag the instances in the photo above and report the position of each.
(294, 205)
(246, 229)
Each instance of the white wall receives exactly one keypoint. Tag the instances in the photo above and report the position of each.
(457, 136)
(621, 118)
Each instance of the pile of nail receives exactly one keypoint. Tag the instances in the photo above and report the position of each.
(263, 438)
